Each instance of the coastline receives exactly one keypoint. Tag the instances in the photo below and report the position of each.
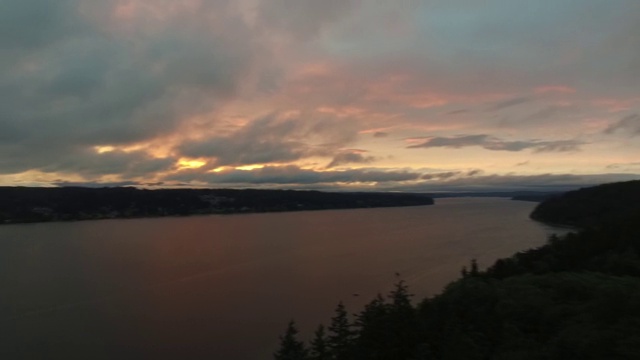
(38, 205)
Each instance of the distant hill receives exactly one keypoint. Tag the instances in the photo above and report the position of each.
(28, 204)
(536, 197)
(514, 195)
(593, 206)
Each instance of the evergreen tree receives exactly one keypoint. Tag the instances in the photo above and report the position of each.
(464, 272)
(474, 268)
(341, 336)
(290, 347)
(400, 297)
(320, 346)
(403, 326)
(373, 329)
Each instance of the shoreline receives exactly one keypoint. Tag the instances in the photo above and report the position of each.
(177, 216)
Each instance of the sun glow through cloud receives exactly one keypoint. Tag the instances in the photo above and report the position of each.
(104, 149)
(191, 164)
(249, 167)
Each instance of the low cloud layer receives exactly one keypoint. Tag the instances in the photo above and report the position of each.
(512, 182)
(489, 142)
(372, 179)
(293, 175)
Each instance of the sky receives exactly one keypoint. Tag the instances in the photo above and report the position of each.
(408, 95)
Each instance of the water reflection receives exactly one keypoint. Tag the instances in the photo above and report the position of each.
(224, 286)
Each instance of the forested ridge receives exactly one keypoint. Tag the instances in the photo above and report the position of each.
(29, 204)
(574, 298)
(614, 203)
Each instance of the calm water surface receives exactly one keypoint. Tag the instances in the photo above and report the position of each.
(224, 287)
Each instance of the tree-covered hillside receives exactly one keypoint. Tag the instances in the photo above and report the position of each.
(24, 204)
(574, 298)
(594, 206)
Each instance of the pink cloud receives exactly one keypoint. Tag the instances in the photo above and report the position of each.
(616, 105)
(562, 89)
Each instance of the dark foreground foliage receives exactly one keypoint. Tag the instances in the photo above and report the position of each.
(577, 297)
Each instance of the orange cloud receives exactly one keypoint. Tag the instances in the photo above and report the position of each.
(342, 112)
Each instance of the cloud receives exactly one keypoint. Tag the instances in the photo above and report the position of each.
(274, 138)
(262, 141)
(456, 112)
(351, 156)
(292, 175)
(556, 146)
(508, 103)
(513, 182)
(625, 166)
(99, 87)
(489, 142)
(159, 81)
(441, 175)
(561, 89)
(26, 24)
(549, 112)
(302, 20)
(95, 184)
(128, 165)
(453, 142)
(629, 125)
(448, 175)
(79, 74)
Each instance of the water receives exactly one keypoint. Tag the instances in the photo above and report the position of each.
(224, 287)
